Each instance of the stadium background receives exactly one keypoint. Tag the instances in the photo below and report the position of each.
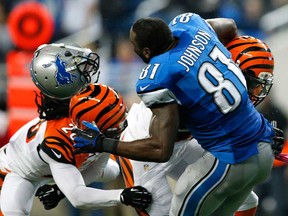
(104, 25)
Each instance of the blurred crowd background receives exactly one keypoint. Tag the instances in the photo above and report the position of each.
(103, 25)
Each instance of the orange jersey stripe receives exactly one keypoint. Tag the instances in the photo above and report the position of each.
(128, 176)
(59, 139)
(127, 171)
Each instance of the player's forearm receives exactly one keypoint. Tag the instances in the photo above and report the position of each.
(159, 146)
(143, 149)
(71, 183)
(91, 198)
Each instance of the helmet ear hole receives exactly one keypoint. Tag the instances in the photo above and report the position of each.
(68, 53)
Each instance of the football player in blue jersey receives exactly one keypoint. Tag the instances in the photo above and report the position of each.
(191, 78)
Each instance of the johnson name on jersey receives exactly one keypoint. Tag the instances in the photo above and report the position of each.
(210, 89)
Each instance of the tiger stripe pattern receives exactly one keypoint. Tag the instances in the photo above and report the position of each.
(251, 53)
(100, 104)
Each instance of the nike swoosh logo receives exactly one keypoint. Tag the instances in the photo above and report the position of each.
(89, 135)
(47, 193)
(56, 154)
(143, 88)
(133, 190)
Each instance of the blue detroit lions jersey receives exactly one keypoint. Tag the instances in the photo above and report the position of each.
(210, 89)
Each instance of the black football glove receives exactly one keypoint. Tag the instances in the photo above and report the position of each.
(278, 139)
(49, 196)
(137, 197)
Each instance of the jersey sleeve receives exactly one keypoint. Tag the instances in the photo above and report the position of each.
(59, 148)
(73, 186)
(57, 142)
(158, 97)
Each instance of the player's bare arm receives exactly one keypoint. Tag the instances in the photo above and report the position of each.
(158, 147)
(163, 131)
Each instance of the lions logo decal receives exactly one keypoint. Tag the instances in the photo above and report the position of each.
(62, 77)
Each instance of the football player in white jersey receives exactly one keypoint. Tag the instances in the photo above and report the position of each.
(42, 150)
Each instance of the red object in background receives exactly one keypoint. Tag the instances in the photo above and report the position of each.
(20, 91)
(18, 63)
(30, 24)
(278, 163)
(282, 157)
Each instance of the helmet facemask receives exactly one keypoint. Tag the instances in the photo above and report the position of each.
(258, 87)
(256, 61)
(88, 66)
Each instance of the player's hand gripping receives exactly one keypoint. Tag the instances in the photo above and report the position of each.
(88, 140)
(137, 197)
(278, 139)
(49, 196)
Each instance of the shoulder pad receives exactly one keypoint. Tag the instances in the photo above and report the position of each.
(58, 149)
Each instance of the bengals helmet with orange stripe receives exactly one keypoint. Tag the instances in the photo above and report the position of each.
(256, 61)
(100, 104)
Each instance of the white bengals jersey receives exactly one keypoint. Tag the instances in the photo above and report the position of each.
(22, 155)
(41, 152)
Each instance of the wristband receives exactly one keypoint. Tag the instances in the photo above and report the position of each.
(110, 145)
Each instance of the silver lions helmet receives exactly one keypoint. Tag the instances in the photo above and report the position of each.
(61, 70)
